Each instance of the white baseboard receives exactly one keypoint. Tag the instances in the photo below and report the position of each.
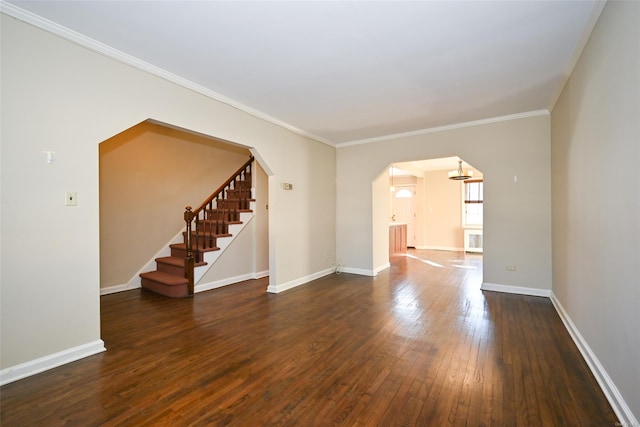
(509, 289)
(381, 268)
(201, 287)
(274, 289)
(611, 392)
(117, 288)
(360, 271)
(23, 370)
(441, 248)
(198, 288)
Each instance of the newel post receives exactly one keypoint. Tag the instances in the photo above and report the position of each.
(189, 261)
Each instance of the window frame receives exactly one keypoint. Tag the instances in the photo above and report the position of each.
(465, 202)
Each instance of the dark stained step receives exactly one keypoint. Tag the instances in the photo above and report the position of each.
(245, 184)
(173, 265)
(204, 235)
(239, 193)
(180, 249)
(222, 215)
(238, 205)
(214, 226)
(165, 284)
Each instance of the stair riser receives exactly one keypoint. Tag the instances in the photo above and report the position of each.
(213, 228)
(180, 291)
(179, 253)
(203, 241)
(233, 204)
(245, 185)
(197, 255)
(219, 215)
(171, 269)
(239, 193)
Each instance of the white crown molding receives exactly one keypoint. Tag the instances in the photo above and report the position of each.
(446, 127)
(103, 49)
(582, 42)
(607, 385)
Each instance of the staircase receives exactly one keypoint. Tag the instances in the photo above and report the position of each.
(225, 207)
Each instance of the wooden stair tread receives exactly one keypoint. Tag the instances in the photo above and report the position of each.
(164, 278)
(204, 234)
(222, 210)
(176, 261)
(183, 246)
(218, 221)
(210, 222)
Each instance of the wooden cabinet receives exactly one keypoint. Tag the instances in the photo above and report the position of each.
(397, 239)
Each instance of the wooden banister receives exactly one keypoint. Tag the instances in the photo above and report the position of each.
(213, 216)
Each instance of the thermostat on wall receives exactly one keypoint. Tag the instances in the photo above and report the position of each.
(287, 186)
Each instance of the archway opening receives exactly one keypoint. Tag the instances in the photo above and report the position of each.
(439, 213)
(148, 174)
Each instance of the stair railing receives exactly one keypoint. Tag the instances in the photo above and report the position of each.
(212, 217)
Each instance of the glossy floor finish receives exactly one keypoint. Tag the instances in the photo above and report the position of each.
(418, 345)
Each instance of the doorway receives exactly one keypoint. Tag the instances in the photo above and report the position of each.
(403, 208)
(148, 174)
(435, 204)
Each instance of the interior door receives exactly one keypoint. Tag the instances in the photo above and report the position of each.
(405, 211)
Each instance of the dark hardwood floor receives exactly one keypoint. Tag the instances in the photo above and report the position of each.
(418, 345)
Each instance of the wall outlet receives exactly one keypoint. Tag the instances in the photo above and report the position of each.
(287, 186)
(71, 198)
(511, 268)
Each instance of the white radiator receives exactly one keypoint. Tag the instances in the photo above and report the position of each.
(473, 241)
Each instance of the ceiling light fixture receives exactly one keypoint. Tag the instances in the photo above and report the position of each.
(460, 175)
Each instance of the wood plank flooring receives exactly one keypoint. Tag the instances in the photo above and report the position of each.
(418, 345)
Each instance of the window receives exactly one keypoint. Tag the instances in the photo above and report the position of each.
(404, 194)
(473, 202)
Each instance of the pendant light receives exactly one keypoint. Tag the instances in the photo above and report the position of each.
(460, 175)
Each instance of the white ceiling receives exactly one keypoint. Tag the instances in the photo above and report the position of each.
(348, 71)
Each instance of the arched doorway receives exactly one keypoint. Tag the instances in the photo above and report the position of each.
(440, 213)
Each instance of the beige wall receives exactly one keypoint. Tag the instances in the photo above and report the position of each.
(443, 217)
(517, 214)
(379, 190)
(59, 96)
(596, 197)
(148, 174)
